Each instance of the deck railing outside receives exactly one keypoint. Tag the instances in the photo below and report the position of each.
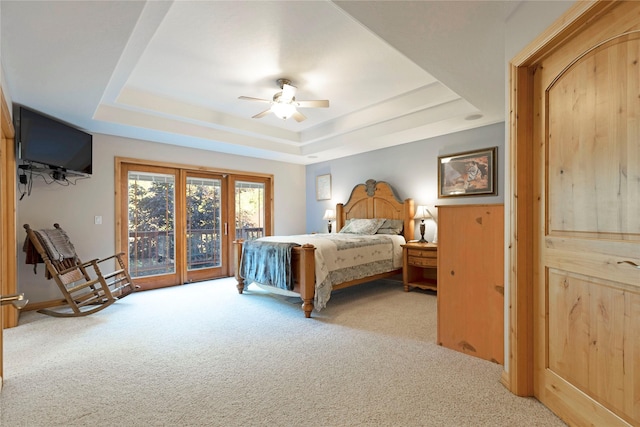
(152, 252)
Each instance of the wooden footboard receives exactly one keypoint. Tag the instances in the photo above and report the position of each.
(303, 267)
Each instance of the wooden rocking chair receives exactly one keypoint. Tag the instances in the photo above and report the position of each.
(85, 288)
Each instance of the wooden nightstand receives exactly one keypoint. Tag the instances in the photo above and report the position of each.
(420, 266)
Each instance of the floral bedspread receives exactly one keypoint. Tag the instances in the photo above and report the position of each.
(342, 257)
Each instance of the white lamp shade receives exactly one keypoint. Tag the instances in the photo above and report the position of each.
(422, 213)
(329, 214)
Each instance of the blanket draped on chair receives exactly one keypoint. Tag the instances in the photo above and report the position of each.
(268, 263)
(56, 243)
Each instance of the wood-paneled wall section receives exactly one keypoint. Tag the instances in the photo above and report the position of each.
(471, 280)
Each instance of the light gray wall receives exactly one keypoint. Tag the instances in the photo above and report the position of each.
(411, 169)
(75, 206)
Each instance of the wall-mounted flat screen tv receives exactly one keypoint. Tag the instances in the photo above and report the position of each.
(52, 143)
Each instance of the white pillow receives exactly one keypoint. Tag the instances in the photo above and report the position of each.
(391, 226)
(363, 226)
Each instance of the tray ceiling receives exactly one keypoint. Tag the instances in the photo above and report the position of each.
(172, 71)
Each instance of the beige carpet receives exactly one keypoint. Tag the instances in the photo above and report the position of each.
(202, 355)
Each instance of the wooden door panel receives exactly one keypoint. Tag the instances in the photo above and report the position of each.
(590, 173)
(588, 322)
(595, 258)
(568, 328)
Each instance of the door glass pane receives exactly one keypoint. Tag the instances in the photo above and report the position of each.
(204, 228)
(151, 224)
(249, 210)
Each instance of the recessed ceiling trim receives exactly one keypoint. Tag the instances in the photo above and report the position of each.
(164, 106)
(148, 22)
(458, 108)
(182, 129)
(421, 99)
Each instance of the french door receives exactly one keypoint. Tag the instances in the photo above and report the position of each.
(207, 230)
(177, 225)
(176, 229)
(251, 207)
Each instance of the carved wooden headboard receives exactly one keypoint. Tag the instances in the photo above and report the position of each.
(376, 199)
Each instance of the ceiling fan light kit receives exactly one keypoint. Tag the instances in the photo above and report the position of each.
(283, 110)
(284, 104)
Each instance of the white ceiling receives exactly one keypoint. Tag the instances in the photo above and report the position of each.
(172, 71)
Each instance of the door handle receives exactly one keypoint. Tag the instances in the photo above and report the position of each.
(630, 263)
(18, 300)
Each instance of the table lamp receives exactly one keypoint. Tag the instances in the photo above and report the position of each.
(422, 213)
(329, 215)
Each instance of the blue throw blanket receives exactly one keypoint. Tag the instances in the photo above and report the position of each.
(267, 263)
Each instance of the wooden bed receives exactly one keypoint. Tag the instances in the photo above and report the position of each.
(369, 200)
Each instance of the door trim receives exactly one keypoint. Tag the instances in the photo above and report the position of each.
(8, 239)
(520, 379)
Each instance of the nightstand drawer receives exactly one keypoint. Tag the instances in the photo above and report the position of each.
(422, 253)
(421, 261)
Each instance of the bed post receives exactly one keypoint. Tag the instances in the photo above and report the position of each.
(409, 222)
(237, 256)
(339, 216)
(307, 274)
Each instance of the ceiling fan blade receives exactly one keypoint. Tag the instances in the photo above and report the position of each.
(298, 116)
(248, 98)
(260, 115)
(319, 103)
(288, 92)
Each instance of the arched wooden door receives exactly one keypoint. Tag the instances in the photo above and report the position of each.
(585, 205)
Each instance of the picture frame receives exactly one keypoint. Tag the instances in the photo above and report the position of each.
(323, 187)
(471, 173)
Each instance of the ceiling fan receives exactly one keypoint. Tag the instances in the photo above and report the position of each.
(284, 103)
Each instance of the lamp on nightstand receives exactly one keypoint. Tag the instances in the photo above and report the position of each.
(422, 213)
(329, 215)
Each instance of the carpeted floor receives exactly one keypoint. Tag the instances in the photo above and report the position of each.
(202, 355)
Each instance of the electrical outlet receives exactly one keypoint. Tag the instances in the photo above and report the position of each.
(97, 219)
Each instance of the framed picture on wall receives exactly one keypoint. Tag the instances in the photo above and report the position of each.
(323, 187)
(472, 173)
